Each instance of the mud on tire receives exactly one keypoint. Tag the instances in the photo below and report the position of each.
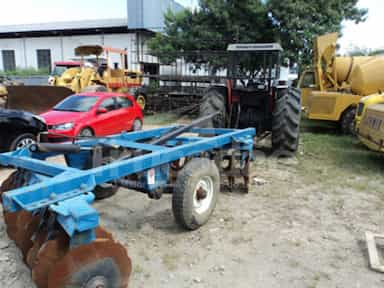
(286, 123)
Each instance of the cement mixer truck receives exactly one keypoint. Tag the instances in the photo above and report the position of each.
(332, 89)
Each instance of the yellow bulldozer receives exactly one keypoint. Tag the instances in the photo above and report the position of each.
(332, 89)
(84, 78)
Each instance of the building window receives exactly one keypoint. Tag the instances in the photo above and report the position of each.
(9, 63)
(44, 59)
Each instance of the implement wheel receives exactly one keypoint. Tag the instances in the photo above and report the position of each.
(196, 191)
(102, 263)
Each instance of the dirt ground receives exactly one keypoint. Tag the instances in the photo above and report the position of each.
(303, 227)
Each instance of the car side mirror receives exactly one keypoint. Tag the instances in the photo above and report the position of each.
(101, 111)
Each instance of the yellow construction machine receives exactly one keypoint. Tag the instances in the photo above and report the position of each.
(370, 121)
(83, 78)
(332, 89)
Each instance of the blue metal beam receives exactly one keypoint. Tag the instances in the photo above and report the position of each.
(76, 182)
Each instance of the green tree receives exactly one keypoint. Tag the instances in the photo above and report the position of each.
(293, 23)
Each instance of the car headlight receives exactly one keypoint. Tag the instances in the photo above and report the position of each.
(64, 126)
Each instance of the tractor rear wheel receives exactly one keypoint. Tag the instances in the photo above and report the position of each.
(214, 101)
(286, 123)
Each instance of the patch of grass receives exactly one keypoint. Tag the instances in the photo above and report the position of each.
(340, 151)
(25, 72)
(160, 119)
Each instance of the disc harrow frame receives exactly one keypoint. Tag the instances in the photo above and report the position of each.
(61, 196)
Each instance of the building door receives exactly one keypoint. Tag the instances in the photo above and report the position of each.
(9, 63)
(44, 59)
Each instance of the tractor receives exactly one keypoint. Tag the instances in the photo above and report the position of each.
(256, 96)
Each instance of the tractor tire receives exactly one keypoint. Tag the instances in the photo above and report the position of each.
(347, 121)
(214, 101)
(286, 123)
(196, 191)
(94, 88)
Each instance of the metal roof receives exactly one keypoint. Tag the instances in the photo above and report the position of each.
(73, 28)
(255, 47)
(69, 25)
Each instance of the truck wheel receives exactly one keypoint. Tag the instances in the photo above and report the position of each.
(195, 194)
(286, 123)
(214, 101)
(347, 121)
(22, 141)
(94, 88)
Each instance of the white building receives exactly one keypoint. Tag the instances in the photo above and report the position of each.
(40, 45)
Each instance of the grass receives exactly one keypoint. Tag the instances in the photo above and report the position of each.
(160, 119)
(341, 151)
(25, 72)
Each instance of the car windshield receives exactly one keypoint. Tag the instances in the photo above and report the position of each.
(76, 103)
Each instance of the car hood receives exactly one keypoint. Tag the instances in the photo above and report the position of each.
(60, 117)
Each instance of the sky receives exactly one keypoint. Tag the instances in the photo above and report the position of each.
(363, 35)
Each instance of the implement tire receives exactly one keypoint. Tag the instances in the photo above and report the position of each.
(286, 123)
(214, 101)
(196, 191)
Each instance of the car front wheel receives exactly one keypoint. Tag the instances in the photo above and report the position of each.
(21, 141)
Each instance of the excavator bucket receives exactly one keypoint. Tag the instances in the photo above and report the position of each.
(35, 99)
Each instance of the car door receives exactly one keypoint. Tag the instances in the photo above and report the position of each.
(125, 110)
(105, 123)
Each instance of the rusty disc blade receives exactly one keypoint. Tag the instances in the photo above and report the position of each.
(27, 224)
(49, 254)
(102, 263)
(10, 219)
(39, 240)
(8, 184)
(102, 233)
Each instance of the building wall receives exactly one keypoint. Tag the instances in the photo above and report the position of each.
(149, 14)
(62, 48)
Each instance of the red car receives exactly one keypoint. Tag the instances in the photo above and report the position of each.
(93, 114)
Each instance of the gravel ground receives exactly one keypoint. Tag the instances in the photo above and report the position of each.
(302, 225)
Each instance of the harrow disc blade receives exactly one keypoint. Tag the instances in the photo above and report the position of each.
(8, 184)
(49, 254)
(102, 263)
(102, 233)
(39, 240)
(10, 219)
(27, 224)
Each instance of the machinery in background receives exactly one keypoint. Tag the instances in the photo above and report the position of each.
(256, 96)
(370, 122)
(48, 207)
(100, 77)
(332, 89)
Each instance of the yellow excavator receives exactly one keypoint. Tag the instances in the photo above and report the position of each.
(84, 78)
(332, 89)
